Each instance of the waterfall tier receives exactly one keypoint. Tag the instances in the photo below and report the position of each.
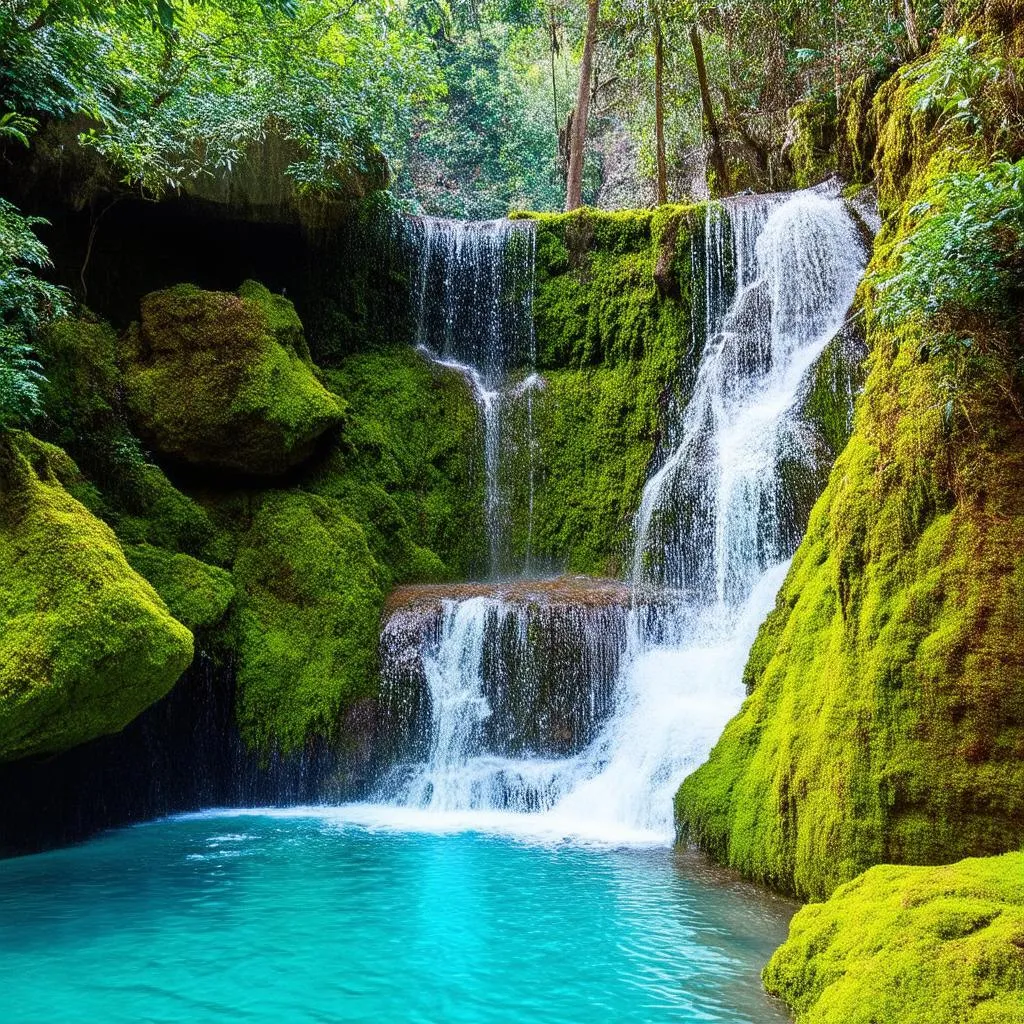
(475, 315)
(478, 677)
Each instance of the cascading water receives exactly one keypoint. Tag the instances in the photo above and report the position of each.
(717, 522)
(475, 315)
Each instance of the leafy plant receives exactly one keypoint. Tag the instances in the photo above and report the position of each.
(26, 303)
(952, 83)
(17, 126)
(959, 271)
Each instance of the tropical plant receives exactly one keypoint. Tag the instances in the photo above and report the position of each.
(26, 303)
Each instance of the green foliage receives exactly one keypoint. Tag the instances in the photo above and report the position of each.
(492, 145)
(85, 643)
(910, 946)
(961, 257)
(310, 595)
(26, 303)
(17, 126)
(951, 84)
(180, 89)
(225, 380)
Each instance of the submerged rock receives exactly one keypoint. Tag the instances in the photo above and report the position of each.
(85, 642)
(910, 945)
(223, 380)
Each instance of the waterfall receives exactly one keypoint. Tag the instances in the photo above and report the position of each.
(475, 315)
(717, 523)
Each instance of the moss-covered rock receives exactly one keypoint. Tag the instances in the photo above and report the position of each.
(613, 286)
(409, 468)
(595, 431)
(310, 595)
(195, 593)
(886, 722)
(811, 151)
(617, 341)
(222, 380)
(910, 946)
(85, 642)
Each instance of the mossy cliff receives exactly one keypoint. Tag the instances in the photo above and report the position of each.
(615, 344)
(920, 945)
(886, 721)
(85, 642)
(886, 718)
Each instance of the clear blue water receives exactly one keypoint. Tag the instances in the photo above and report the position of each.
(253, 918)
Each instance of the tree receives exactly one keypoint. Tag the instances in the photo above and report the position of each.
(659, 106)
(717, 156)
(578, 131)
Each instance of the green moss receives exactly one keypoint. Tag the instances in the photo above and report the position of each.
(223, 380)
(409, 469)
(612, 286)
(616, 342)
(595, 431)
(834, 381)
(151, 510)
(309, 599)
(812, 153)
(855, 141)
(79, 357)
(195, 593)
(85, 642)
(910, 946)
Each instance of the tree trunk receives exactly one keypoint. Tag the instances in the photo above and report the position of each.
(910, 23)
(578, 135)
(659, 109)
(717, 156)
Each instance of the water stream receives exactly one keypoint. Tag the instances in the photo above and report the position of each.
(475, 315)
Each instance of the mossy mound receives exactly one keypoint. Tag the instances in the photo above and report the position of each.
(222, 380)
(910, 946)
(310, 595)
(85, 642)
(195, 593)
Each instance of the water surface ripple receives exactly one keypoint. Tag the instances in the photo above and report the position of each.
(303, 917)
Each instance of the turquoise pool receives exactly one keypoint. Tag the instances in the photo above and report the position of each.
(305, 917)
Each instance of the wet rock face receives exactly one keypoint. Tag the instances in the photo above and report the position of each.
(225, 380)
(547, 653)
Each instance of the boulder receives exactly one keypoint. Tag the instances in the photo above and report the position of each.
(224, 380)
(86, 644)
